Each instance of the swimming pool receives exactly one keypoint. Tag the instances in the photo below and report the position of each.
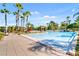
(61, 40)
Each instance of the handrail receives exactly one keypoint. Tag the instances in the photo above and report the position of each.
(70, 41)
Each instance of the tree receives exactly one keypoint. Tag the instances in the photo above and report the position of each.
(68, 19)
(22, 22)
(52, 26)
(24, 15)
(76, 14)
(17, 21)
(30, 25)
(11, 28)
(2, 28)
(27, 14)
(74, 26)
(77, 18)
(64, 25)
(19, 7)
(5, 12)
(17, 13)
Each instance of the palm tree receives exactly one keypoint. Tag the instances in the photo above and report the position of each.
(22, 22)
(68, 21)
(19, 7)
(5, 11)
(76, 14)
(22, 18)
(27, 14)
(77, 20)
(24, 15)
(17, 21)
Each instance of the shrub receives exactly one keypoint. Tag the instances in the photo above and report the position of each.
(77, 47)
(1, 35)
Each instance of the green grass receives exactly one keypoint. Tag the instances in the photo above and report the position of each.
(1, 35)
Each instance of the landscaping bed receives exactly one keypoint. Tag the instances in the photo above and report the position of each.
(1, 35)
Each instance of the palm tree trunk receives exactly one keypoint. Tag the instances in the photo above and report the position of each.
(5, 23)
(16, 22)
(23, 23)
(26, 22)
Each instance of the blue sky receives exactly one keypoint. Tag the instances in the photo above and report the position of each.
(42, 13)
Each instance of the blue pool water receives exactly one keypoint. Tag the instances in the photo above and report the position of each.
(57, 39)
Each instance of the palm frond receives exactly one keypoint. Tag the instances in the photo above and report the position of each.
(15, 13)
(27, 13)
(21, 16)
(68, 17)
(76, 14)
(19, 6)
(24, 14)
(2, 11)
(6, 11)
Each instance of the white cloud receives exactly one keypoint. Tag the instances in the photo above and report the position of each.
(50, 17)
(53, 17)
(73, 10)
(46, 16)
(35, 12)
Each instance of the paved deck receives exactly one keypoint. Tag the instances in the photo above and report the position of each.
(16, 45)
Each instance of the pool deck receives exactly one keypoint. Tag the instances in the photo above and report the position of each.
(17, 45)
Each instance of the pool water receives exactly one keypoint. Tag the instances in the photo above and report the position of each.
(60, 40)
